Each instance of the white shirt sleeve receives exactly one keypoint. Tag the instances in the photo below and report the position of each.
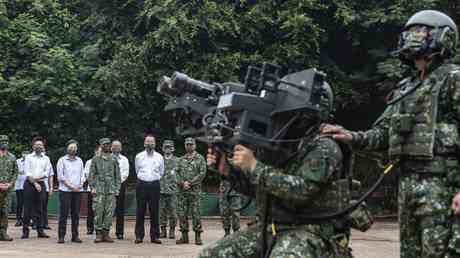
(60, 171)
(124, 168)
(86, 169)
(28, 166)
(162, 166)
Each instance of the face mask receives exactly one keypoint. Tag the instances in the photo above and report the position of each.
(3, 145)
(150, 147)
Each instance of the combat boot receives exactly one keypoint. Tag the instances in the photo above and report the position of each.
(183, 239)
(98, 237)
(4, 236)
(172, 233)
(163, 232)
(198, 238)
(227, 232)
(106, 237)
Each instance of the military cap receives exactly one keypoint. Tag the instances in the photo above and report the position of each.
(3, 138)
(189, 140)
(104, 141)
(71, 141)
(168, 143)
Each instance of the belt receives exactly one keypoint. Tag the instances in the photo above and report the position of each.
(436, 167)
(148, 182)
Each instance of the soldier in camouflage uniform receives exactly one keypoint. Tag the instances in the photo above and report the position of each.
(313, 182)
(229, 202)
(420, 131)
(8, 174)
(105, 181)
(190, 174)
(168, 196)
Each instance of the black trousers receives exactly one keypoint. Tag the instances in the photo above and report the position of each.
(90, 215)
(19, 204)
(148, 193)
(34, 202)
(69, 202)
(120, 210)
(45, 210)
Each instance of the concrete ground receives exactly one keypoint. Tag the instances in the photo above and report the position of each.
(379, 242)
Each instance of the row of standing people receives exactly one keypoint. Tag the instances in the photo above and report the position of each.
(104, 177)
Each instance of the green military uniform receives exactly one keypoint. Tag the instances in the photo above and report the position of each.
(8, 174)
(421, 131)
(192, 168)
(229, 202)
(168, 194)
(312, 183)
(105, 179)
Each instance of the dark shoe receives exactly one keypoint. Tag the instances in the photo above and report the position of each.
(47, 228)
(42, 234)
(138, 241)
(155, 241)
(76, 240)
(89, 232)
(163, 232)
(18, 224)
(25, 236)
(60, 240)
(98, 237)
(106, 237)
(172, 233)
(198, 238)
(227, 232)
(119, 236)
(183, 239)
(34, 227)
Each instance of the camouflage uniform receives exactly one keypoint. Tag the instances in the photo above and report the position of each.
(312, 182)
(8, 174)
(104, 177)
(168, 196)
(421, 131)
(229, 202)
(192, 168)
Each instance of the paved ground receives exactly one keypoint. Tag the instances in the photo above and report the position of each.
(380, 242)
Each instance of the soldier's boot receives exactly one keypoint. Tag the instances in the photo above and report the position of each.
(163, 232)
(172, 233)
(227, 232)
(4, 236)
(106, 237)
(98, 237)
(198, 238)
(183, 239)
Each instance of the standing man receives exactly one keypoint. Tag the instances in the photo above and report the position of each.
(37, 167)
(123, 163)
(420, 131)
(19, 187)
(8, 173)
(104, 179)
(87, 188)
(149, 170)
(229, 202)
(168, 198)
(71, 178)
(190, 175)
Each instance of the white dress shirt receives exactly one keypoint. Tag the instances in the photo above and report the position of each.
(123, 163)
(50, 174)
(70, 170)
(19, 185)
(37, 166)
(149, 168)
(86, 173)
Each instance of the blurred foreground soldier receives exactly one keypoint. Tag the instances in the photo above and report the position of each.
(190, 174)
(71, 178)
(104, 179)
(419, 129)
(123, 163)
(19, 187)
(149, 170)
(229, 203)
(37, 167)
(87, 188)
(314, 181)
(168, 196)
(8, 173)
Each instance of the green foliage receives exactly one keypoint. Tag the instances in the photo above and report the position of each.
(87, 69)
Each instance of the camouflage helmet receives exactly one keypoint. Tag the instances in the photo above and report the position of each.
(3, 138)
(442, 37)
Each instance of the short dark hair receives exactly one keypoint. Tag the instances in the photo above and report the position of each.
(38, 138)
